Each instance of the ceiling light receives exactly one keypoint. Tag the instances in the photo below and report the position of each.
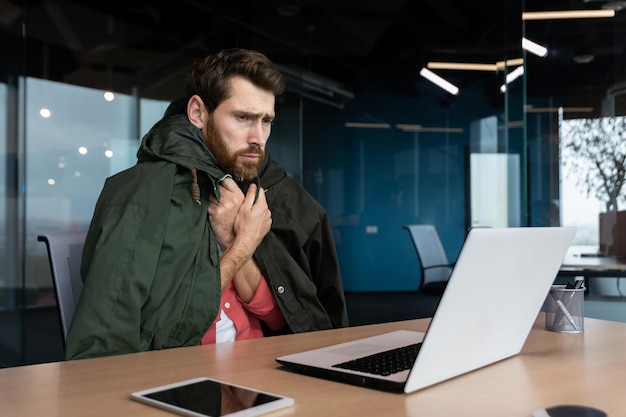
(440, 82)
(568, 14)
(512, 125)
(109, 96)
(468, 66)
(512, 76)
(583, 58)
(532, 109)
(515, 74)
(420, 128)
(534, 48)
(315, 87)
(368, 125)
(509, 63)
(461, 66)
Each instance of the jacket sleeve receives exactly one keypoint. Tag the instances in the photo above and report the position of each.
(119, 258)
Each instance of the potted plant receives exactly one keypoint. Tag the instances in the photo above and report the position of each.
(594, 150)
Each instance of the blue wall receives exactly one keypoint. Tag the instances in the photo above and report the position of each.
(356, 173)
(360, 167)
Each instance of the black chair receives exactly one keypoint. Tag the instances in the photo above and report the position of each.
(434, 265)
(65, 250)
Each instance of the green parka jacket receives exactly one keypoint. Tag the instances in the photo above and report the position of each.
(151, 263)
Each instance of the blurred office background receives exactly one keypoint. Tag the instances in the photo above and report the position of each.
(361, 126)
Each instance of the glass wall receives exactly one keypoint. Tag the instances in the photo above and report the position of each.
(575, 112)
(12, 331)
(412, 167)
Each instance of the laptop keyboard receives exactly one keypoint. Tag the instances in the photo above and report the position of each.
(384, 363)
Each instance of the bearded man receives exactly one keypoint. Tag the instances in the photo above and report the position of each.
(207, 239)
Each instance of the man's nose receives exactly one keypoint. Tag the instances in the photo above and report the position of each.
(258, 133)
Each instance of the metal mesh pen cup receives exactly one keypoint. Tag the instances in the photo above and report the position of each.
(564, 309)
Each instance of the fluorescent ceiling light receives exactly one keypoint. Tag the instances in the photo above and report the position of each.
(514, 124)
(567, 14)
(468, 66)
(420, 128)
(512, 76)
(534, 48)
(440, 82)
(515, 74)
(368, 125)
(509, 63)
(532, 109)
(411, 127)
(461, 66)
(315, 87)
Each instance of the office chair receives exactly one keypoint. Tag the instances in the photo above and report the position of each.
(65, 250)
(434, 265)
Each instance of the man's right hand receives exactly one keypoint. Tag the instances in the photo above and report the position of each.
(222, 213)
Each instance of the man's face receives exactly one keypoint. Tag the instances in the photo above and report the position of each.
(239, 128)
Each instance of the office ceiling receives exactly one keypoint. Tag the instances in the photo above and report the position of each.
(150, 45)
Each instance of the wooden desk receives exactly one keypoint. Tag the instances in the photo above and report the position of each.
(576, 263)
(587, 368)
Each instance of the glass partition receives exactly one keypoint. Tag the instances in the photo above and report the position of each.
(575, 115)
(571, 92)
(387, 161)
(72, 145)
(11, 205)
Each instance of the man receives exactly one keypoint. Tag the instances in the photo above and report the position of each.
(206, 238)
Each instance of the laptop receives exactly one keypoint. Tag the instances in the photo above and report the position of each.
(497, 287)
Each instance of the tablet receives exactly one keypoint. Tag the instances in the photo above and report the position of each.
(205, 397)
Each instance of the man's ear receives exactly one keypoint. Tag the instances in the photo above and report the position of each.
(196, 112)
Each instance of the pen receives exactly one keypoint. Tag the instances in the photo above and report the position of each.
(578, 283)
(562, 309)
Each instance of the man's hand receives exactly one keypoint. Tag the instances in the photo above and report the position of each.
(252, 222)
(222, 214)
(254, 219)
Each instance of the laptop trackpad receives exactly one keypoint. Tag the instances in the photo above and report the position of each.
(357, 350)
(375, 344)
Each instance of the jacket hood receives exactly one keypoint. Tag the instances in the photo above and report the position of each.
(270, 173)
(175, 139)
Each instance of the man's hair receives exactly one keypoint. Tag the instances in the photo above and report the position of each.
(210, 76)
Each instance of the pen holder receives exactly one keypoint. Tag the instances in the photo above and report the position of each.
(564, 308)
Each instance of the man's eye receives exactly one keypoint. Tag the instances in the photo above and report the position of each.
(268, 122)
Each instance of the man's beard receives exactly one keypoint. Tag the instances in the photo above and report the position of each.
(240, 171)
